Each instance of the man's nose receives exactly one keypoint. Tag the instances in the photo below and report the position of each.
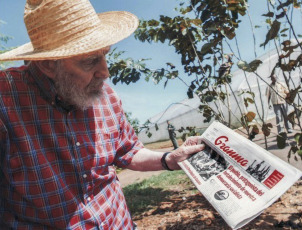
(102, 70)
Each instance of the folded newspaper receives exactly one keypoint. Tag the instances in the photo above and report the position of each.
(239, 178)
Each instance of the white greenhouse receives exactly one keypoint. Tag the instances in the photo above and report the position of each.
(186, 113)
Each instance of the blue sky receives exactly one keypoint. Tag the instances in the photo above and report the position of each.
(143, 99)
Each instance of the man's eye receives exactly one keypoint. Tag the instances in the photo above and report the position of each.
(91, 62)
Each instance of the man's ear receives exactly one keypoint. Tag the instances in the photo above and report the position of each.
(48, 67)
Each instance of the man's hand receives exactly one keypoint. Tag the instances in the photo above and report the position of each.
(191, 145)
(150, 160)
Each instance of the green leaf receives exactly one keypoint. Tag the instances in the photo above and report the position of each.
(298, 138)
(170, 65)
(248, 100)
(250, 116)
(297, 4)
(186, 10)
(206, 48)
(291, 118)
(266, 129)
(255, 129)
(292, 95)
(254, 65)
(268, 21)
(196, 22)
(166, 82)
(269, 14)
(229, 32)
(272, 33)
(286, 29)
(242, 65)
(153, 23)
(251, 67)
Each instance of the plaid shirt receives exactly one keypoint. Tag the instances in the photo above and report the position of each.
(56, 162)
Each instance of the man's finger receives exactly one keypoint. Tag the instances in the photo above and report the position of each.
(194, 148)
(184, 152)
(193, 141)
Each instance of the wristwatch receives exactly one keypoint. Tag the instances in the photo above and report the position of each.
(164, 163)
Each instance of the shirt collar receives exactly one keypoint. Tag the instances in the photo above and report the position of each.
(47, 89)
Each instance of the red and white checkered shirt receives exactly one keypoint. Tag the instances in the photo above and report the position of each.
(57, 162)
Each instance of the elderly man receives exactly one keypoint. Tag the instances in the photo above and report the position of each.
(277, 92)
(62, 128)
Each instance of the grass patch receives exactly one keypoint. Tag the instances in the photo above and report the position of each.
(162, 144)
(149, 193)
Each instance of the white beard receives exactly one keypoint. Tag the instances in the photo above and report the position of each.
(73, 93)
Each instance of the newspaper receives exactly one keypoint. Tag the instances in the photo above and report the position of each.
(239, 178)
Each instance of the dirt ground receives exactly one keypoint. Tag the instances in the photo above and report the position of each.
(186, 210)
(193, 212)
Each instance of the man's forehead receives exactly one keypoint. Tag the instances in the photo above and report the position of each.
(101, 51)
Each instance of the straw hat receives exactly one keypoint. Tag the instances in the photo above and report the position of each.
(64, 28)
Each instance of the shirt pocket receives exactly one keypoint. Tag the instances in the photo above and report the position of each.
(106, 145)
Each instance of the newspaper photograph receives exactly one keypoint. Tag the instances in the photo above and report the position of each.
(238, 177)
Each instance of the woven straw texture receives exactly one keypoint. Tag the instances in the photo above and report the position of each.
(62, 28)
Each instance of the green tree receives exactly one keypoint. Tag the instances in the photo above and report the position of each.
(199, 34)
(133, 121)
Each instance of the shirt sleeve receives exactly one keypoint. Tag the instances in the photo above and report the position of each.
(128, 145)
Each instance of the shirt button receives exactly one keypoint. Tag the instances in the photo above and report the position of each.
(89, 199)
(85, 175)
(78, 144)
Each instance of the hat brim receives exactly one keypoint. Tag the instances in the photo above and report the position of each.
(115, 26)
